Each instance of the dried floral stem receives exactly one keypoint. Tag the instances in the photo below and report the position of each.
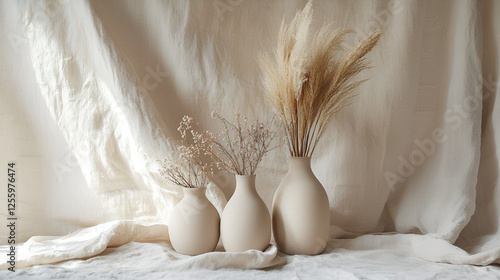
(240, 147)
(187, 167)
(310, 81)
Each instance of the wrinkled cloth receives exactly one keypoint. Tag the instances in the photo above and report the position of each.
(92, 241)
(101, 86)
(134, 250)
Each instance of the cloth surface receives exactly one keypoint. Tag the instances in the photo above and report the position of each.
(93, 92)
(133, 250)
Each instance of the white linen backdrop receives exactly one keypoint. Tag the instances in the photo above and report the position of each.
(92, 93)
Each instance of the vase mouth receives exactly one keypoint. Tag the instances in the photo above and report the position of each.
(194, 189)
(298, 159)
(245, 176)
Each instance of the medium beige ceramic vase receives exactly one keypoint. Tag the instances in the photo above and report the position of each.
(193, 226)
(301, 212)
(245, 223)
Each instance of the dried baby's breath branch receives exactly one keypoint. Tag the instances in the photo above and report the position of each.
(311, 80)
(240, 147)
(187, 167)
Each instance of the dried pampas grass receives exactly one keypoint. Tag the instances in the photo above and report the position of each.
(311, 80)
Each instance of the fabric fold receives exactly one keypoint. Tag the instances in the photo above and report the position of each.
(91, 242)
(416, 154)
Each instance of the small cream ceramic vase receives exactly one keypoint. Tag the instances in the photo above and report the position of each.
(301, 211)
(245, 222)
(193, 226)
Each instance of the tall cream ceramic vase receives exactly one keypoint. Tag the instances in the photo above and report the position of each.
(194, 224)
(301, 212)
(245, 223)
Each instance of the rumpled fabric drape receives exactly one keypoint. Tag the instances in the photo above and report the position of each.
(411, 167)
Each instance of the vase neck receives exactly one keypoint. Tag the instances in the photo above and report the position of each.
(245, 183)
(298, 164)
(194, 193)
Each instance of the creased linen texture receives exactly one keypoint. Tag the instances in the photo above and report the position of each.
(411, 168)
